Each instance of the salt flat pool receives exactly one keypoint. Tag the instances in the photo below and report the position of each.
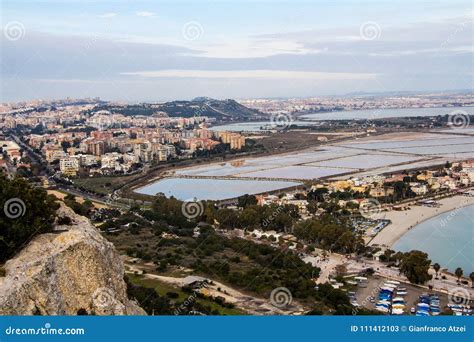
(211, 189)
(367, 161)
(438, 140)
(326, 161)
(298, 172)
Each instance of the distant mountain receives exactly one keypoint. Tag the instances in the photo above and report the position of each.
(222, 110)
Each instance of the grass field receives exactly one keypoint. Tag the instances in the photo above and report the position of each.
(103, 185)
(162, 289)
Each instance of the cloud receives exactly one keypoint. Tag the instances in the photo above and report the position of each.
(253, 49)
(434, 55)
(146, 14)
(108, 15)
(253, 74)
(451, 35)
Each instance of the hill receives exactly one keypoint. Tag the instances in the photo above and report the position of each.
(221, 110)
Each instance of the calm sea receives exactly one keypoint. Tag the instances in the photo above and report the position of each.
(447, 238)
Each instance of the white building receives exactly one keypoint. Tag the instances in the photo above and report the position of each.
(69, 166)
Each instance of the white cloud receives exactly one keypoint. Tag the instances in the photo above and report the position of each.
(429, 52)
(146, 14)
(108, 15)
(254, 74)
(253, 49)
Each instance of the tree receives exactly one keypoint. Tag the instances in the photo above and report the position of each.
(317, 194)
(26, 212)
(149, 300)
(247, 200)
(88, 205)
(436, 267)
(65, 145)
(249, 218)
(326, 233)
(471, 276)
(458, 272)
(227, 218)
(401, 190)
(415, 266)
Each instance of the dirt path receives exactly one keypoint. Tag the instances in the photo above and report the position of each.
(60, 195)
(250, 304)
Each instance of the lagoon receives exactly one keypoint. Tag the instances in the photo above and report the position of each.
(374, 114)
(211, 189)
(371, 114)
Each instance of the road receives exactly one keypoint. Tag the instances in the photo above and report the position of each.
(53, 176)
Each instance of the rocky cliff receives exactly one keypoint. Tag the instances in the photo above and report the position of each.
(71, 271)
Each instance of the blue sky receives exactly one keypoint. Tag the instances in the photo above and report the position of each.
(163, 50)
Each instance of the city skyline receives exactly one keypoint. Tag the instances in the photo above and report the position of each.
(158, 51)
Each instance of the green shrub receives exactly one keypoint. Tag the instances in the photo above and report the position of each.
(24, 212)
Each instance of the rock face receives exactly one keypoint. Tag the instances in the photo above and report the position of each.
(71, 271)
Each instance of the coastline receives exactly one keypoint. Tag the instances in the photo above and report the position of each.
(403, 221)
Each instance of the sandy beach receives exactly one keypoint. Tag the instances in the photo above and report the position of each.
(403, 221)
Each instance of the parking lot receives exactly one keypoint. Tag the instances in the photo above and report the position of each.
(364, 294)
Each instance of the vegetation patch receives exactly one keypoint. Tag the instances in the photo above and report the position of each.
(25, 212)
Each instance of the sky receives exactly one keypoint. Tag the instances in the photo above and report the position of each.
(134, 51)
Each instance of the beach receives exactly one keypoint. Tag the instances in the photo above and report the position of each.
(403, 221)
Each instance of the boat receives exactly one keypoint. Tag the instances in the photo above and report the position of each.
(393, 282)
(422, 309)
(398, 311)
